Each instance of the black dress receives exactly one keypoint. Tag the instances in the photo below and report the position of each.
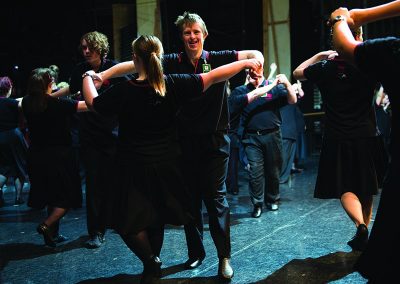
(150, 186)
(379, 260)
(351, 157)
(52, 168)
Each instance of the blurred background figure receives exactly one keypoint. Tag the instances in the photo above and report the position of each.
(13, 147)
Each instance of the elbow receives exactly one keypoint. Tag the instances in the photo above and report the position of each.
(298, 74)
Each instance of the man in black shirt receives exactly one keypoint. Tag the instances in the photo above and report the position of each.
(97, 136)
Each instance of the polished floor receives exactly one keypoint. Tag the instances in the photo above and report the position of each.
(303, 242)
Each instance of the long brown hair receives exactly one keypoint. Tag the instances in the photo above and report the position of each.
(38, 83)
(149, 48)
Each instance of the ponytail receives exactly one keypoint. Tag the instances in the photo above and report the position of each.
(150, 50)
(155, 74)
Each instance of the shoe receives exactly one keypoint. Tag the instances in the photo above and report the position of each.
(296, 171)
(151, 271)
(59, 238)
(44, 230)
(193, 263)
(225, 271)
(360, 239)
(19, 201)
(273, 206)
(257, 211)
(95, 241)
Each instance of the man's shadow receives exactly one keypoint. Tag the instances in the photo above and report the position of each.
(18, 251)
(319, 270)
(129, 279)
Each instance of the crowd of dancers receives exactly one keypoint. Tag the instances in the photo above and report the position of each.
(154, 145)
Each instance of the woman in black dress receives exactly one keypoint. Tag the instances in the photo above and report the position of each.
(351, 162)
(151, 192)
(55, 182)
(377, 58)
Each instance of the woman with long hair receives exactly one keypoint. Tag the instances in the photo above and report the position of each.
(55, 182)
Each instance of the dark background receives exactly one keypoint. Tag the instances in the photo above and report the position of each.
(40, 33)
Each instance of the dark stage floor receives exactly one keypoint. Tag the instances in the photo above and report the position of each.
(303, 242)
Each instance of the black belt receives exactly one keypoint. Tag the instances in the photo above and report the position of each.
(262, 132)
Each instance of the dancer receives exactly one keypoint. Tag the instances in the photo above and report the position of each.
(377, 58)
(55, 182)
(151, 188)
(351, 156)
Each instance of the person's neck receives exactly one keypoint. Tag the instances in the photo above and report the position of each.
(95, 65)
(142, 76)
(194, 56)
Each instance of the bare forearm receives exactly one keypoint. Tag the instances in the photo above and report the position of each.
(344, 41)
(89, 91)
(118, 70)
(61, 93)
(368, 15)
(298, 73)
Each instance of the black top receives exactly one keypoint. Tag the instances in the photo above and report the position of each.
(95, 130)
(50, 127)
(347, 97)
(380, 58)
(209, 113)
(263, 113)
(147, 121)
(8, 114)
(289, 125)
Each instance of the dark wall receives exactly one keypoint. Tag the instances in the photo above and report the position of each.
(39, 34)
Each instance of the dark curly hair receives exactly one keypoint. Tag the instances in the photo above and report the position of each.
(97, 42)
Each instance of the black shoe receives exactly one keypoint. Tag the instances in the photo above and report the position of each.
(225, 271)
(152, 271)
(360, 239)
(257, 211)
(194, 262)
(296, 171)
(60, 238)
(44, 230)
(19, 201)
(95, 241)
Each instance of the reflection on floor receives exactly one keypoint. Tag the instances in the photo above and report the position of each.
(303, 242)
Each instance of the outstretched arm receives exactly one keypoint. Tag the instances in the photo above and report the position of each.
(298, 73)
(343, 39)
(118, 70)
(89, 89)
(364, 16)
(225, 72)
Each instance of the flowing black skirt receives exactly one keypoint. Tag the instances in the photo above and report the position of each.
(350, 165)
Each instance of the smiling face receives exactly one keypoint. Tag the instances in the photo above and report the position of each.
(193, 38)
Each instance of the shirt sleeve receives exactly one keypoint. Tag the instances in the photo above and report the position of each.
(66, 106)
(314, 72)
(184, 86)
(374, 56)
(108, 102)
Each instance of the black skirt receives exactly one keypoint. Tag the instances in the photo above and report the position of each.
(54, 178)
(13, 154)
(350, 165)
(147, 194)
